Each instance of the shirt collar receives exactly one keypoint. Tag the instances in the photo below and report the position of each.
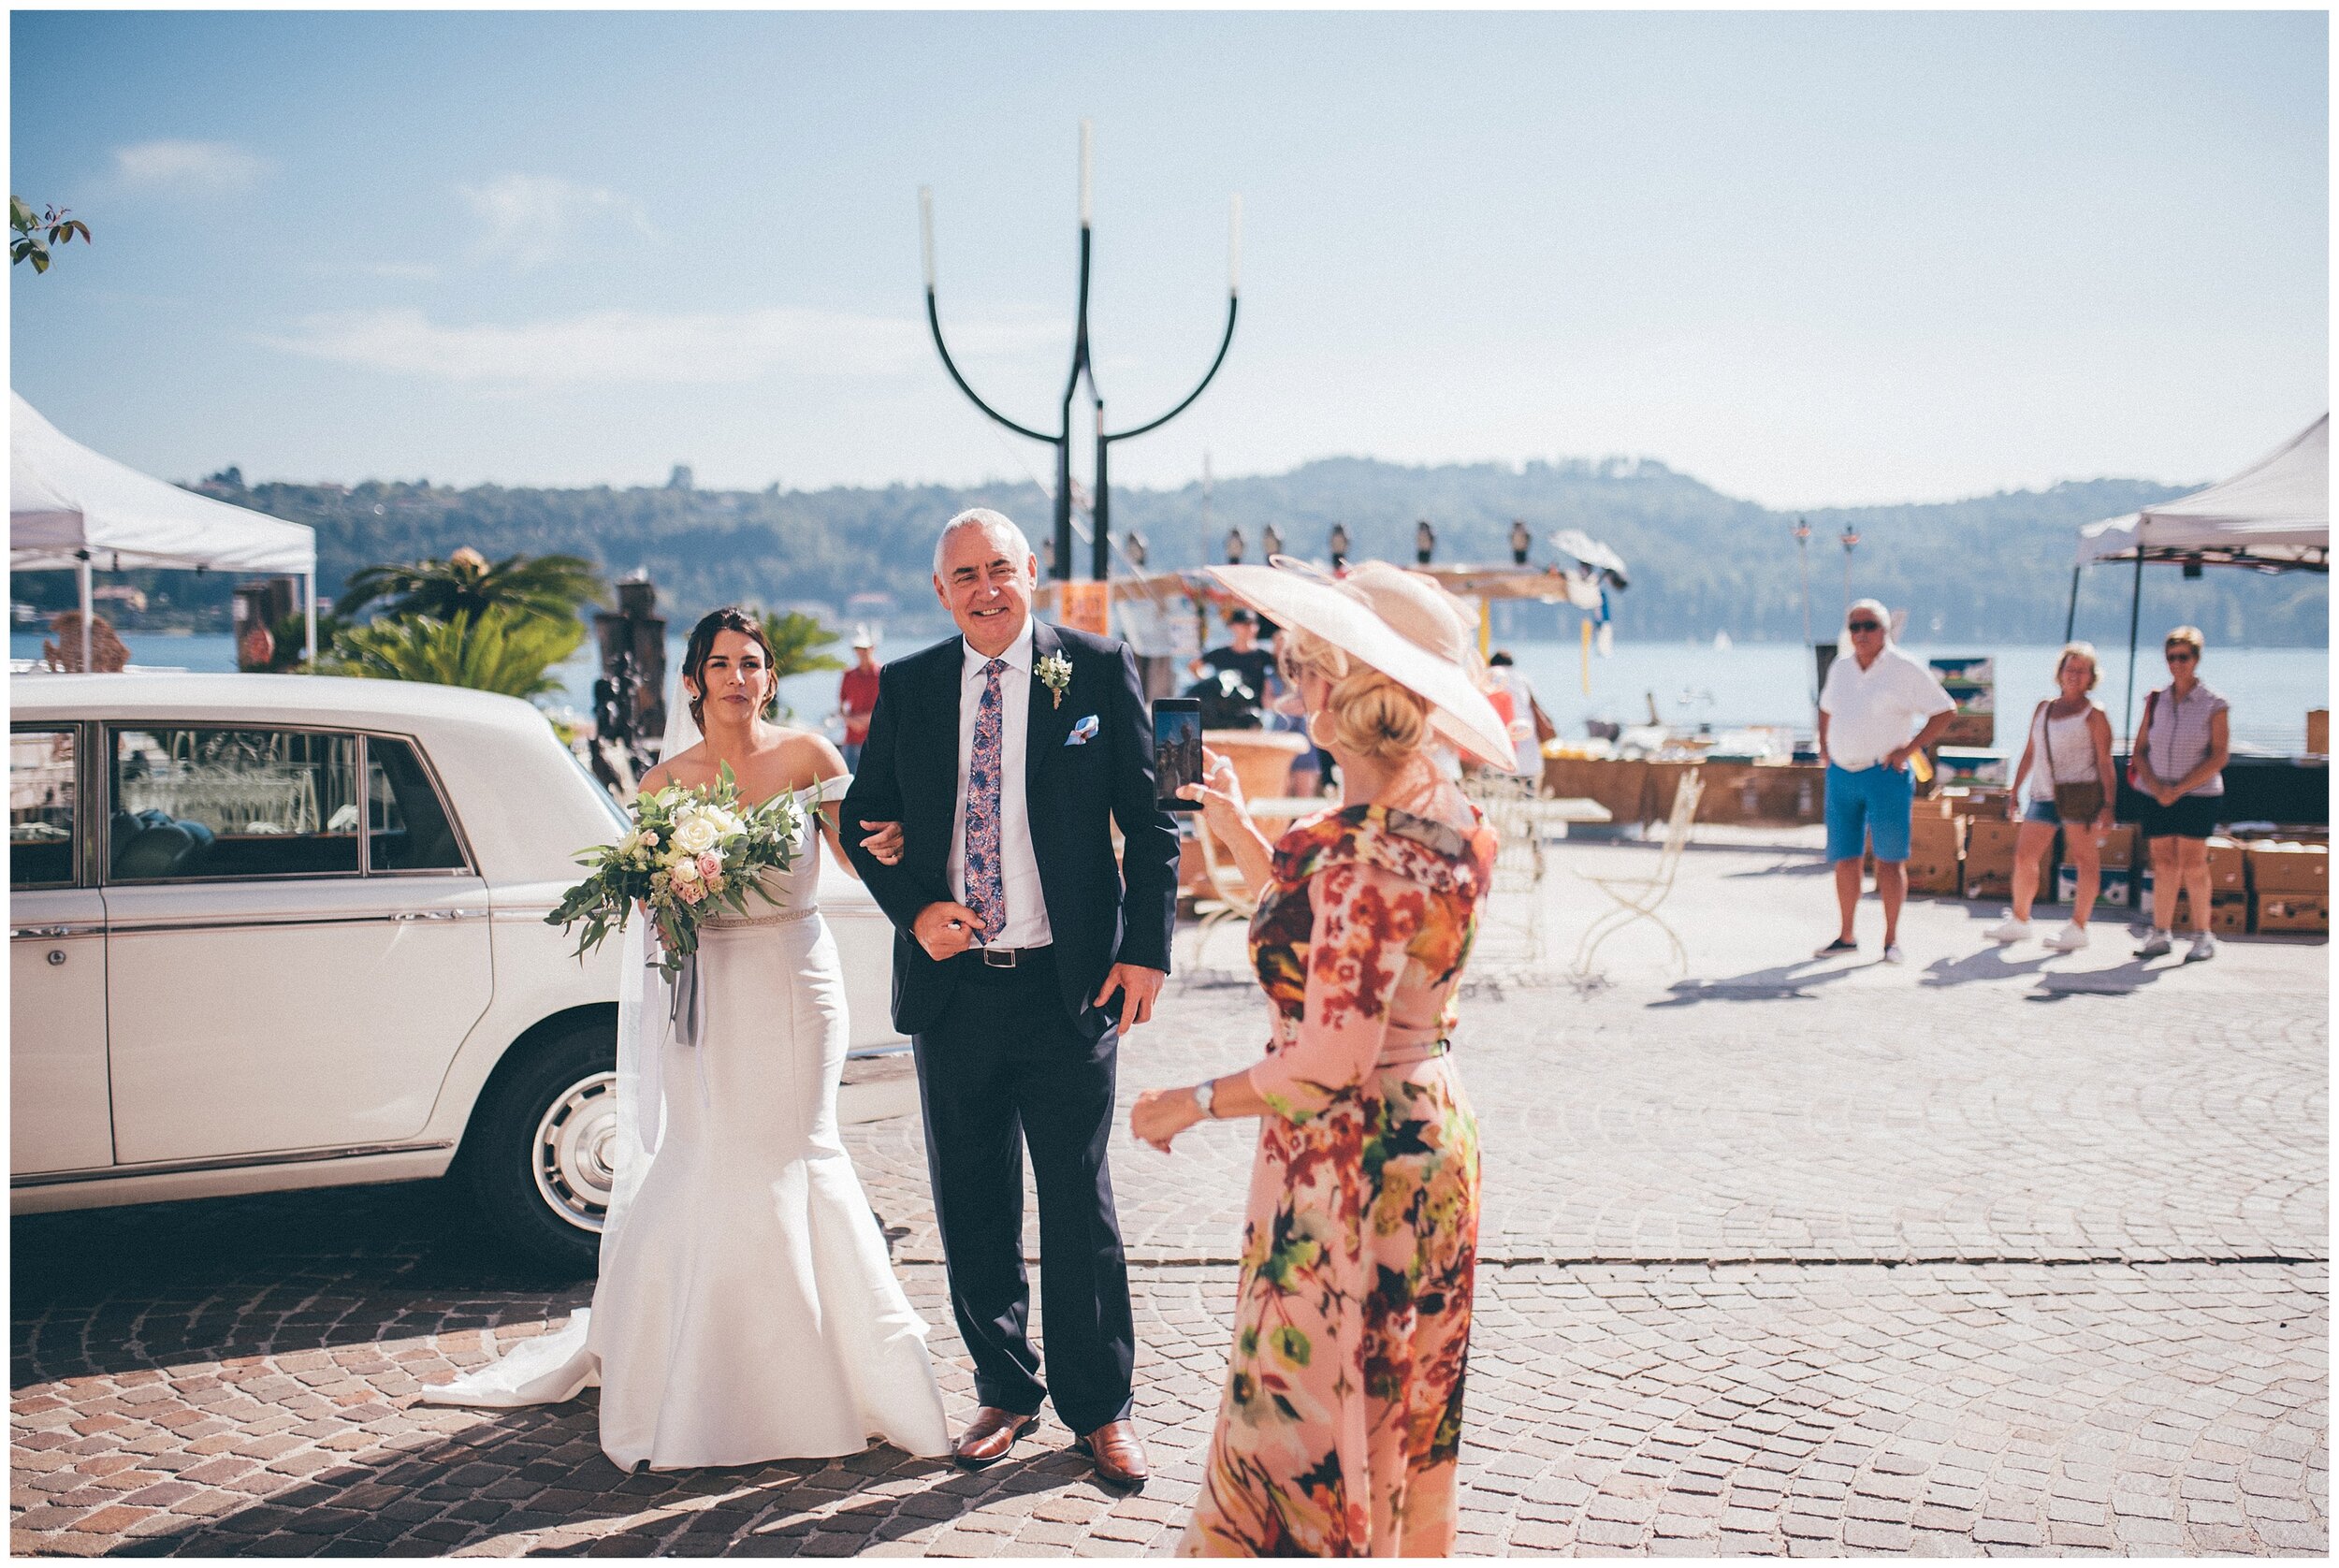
(1017, 654)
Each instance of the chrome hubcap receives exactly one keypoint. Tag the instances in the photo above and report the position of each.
(577, 1151)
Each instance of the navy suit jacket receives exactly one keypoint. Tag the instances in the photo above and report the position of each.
(1099, 913)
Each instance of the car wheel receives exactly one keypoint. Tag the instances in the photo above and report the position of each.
(541, 1146)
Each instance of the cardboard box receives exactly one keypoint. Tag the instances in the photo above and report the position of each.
(1989, 871)
(2318, 731)
(2228, 868)
(2116, 887)
(2228, 913)
(2291, 911)
(1936, 878)
(2288, 867)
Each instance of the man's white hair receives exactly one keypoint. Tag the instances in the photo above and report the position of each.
(996, 525)
(1883, 617)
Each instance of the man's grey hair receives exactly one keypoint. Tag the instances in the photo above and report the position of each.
(1883, 617)
(997, 526)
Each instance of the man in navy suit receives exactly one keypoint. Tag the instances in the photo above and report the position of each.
(996, 763)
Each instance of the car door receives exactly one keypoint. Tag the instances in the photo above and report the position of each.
(59, 1118)
(292, 958)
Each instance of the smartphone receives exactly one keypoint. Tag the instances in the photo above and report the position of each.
(1177, 750)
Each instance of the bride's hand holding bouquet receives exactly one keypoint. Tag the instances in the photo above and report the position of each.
(690, 852)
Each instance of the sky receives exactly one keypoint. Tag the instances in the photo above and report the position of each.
(1811, 258)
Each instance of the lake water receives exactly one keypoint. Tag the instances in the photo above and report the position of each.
(1751, 683)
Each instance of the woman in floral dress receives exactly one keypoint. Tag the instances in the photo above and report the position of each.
(1341, 1422)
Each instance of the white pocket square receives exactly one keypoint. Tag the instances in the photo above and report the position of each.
(1082, 732)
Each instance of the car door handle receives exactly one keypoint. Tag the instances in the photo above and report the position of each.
(404, 915)
(38, 932)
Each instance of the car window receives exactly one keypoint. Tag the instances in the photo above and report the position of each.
(42, 780)
(212, 802)
(407, 825)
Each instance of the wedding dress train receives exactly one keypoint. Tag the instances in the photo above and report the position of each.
(747, 1309)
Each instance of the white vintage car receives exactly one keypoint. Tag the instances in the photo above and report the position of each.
(283, 931)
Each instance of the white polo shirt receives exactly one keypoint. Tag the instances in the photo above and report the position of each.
(1026, 917)
(1873, 711)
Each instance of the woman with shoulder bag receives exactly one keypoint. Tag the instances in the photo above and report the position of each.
(2067, 763)
(2179, 766)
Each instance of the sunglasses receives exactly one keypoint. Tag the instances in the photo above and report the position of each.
(1864, 625)
(2179, 655)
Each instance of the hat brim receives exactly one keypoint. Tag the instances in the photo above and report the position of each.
(1457, 709)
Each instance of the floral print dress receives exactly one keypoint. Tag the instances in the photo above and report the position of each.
(1341, 1423)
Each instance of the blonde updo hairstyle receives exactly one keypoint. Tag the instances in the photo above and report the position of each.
(1370, 713)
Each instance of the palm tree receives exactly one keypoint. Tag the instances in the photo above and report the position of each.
(796, 641)
(547, 587)
(491, 651)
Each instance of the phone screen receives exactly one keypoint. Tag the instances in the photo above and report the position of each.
(1177, 750)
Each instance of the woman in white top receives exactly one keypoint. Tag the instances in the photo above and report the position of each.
(2071, 748)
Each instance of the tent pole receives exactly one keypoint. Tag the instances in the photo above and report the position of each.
(309, 581)
(2071, 616)
(2135, 606)
(89, 604)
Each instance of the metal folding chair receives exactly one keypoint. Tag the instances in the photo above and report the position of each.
(1638, 898)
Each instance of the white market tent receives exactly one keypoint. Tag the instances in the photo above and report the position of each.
(69, 507)
(2274, 515)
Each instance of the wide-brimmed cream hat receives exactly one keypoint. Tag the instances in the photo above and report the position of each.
(1399, 622)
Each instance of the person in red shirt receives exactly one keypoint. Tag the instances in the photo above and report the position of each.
(857, 695)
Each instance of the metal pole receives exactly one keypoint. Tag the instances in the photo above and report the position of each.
(1101, 544)
(2135, 607)
(89, 604)
(310, 579)
(2071, 616)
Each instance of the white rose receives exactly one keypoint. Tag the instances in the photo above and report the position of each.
(629, 845)
(686, 871)
(696, 832)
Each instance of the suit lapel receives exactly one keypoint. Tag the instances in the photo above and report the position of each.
(946, 690)
(1047, 721)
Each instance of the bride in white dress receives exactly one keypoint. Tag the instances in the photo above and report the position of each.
(746, 1310)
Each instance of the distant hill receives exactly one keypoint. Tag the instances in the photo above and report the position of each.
(1993, 567)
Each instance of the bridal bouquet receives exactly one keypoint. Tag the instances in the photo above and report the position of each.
(690, 852)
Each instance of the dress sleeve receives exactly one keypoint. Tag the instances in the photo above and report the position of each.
(1366, 918)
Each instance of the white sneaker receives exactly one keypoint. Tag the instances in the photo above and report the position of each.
(2155, 945)
(2009, 930)
(1893, 955)
(2202, 948)
(2072, 938)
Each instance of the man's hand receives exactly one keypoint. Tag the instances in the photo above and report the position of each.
(945, 930)
(1138, 986)
(1896, 759)
(885, 844)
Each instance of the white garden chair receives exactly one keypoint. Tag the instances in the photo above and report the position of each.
(1638, 898)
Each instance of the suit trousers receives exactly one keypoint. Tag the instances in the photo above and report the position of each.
(1003, 1069)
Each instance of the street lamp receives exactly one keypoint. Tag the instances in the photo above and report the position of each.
(1851, 538)
(1060, 565)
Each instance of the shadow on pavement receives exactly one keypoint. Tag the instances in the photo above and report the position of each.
(1990, 963)
(1786, 982)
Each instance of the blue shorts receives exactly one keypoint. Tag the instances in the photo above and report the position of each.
(2042, 811)
(1869, 807)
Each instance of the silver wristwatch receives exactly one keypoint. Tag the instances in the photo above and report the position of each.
(1204, 1093)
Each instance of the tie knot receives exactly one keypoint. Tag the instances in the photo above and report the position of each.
(994, 668)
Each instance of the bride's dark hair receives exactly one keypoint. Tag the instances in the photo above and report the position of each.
(731, 617)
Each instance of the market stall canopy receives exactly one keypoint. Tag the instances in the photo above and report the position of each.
(2273, 514)
(65, 498)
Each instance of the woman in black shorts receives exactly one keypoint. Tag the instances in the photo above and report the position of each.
(2180, 767)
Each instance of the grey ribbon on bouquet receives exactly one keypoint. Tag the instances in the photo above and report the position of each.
(686, 1011)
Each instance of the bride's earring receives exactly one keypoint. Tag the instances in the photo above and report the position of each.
(1321, 744)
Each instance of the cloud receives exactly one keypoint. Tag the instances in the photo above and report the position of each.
(188, 166)
(528, 220)
(614, 347)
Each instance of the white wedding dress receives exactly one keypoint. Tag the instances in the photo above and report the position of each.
(747, 1309)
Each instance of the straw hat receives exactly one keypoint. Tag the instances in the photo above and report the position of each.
(1399, 622)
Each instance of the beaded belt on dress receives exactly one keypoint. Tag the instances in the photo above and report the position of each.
(768, 917)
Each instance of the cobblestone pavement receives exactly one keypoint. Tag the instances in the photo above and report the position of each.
(1987, 1254)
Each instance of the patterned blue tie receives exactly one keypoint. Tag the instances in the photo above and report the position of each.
(987, 888)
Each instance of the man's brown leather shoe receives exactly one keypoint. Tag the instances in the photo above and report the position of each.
(989, 1436)
(1120, 1458)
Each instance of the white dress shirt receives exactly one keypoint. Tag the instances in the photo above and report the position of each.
(1026, 916)
(1877, 710)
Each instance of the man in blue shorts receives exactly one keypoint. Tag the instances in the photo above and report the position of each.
(1879, 705)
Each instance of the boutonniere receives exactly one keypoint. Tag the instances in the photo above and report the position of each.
(1055, 674)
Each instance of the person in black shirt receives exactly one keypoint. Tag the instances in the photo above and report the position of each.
(1234, 678)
